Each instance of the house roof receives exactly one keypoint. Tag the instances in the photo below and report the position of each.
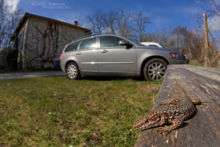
(28, 15)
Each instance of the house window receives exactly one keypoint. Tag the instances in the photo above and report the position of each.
(20, 40)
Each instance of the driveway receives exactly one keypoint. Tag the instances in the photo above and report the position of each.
(20, 75)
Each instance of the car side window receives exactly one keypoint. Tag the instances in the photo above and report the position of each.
(88, 44)
(109, 41)
(72, 47)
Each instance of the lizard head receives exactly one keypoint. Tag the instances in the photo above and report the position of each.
(150, 120)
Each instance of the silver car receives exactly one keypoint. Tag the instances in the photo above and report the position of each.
(116, 55)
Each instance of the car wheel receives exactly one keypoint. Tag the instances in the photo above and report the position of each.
(154, 69)
(72, 71)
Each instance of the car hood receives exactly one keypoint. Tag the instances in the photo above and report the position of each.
(161, 49)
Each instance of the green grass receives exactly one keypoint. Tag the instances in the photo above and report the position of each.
(55, 111)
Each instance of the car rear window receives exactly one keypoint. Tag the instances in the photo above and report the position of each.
(72, 47)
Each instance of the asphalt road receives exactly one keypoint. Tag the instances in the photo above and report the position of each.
(20, 75)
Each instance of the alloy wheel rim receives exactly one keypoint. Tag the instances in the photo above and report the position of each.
(72, 71)
(156, 70)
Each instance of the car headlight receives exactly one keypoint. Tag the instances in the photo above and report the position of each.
(177, 56)
(174, 55)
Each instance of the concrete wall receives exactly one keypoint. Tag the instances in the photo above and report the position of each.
(21, 55)
(44, 41)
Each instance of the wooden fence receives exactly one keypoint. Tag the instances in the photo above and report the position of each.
(203, 129)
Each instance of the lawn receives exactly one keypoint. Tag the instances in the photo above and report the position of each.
(55, 111)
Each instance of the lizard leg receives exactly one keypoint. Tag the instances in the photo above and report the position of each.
(196, 101)
(175, 124)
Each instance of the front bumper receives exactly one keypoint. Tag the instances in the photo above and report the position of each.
(180, 61)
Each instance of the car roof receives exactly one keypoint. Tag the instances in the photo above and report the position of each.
(92, 36)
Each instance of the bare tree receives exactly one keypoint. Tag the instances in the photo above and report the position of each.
(115, 22)
(96, 22)
(2, 22)
(180, 38)
(141, 21)
(164, 37)
(119, 22)
(8, 22)
(124, 27)
(109, 20)
(212, 9)
(187, 41)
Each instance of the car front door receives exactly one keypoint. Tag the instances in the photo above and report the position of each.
(87, 55)
(114, 58)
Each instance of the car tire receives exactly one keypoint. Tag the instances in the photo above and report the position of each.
(72, 71)
(154, 69)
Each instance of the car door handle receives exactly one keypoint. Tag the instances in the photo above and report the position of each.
(78, 53)
(104, 51)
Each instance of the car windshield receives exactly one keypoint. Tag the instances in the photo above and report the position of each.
(135, 41)
(163, 46)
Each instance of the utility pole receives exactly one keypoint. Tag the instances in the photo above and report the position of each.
(206, 42)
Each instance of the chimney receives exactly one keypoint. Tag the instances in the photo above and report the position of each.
(76, 23)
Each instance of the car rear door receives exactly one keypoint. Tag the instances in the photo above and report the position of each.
(87, 55)
(113, 58)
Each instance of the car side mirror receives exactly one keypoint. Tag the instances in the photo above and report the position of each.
(122, 43)
(125, 43)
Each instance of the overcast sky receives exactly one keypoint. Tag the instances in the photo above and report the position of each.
(164, 14)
